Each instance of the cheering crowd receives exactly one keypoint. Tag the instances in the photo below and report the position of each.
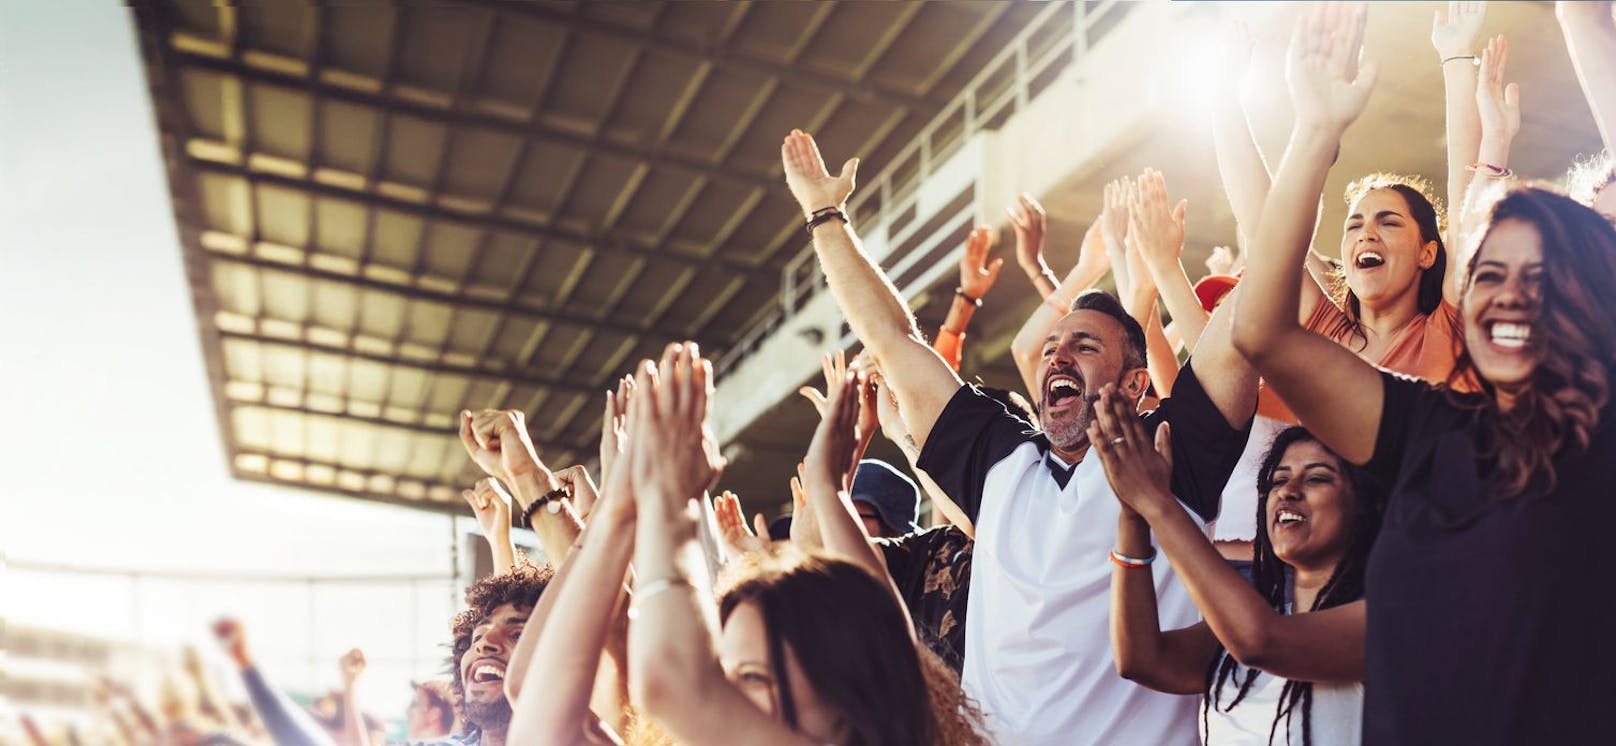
(1365, 507)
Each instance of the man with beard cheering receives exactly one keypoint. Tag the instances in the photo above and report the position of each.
(1037, 656)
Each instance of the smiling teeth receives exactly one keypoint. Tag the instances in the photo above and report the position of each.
(1289, 516)
(486, 672)
(1367, 256)
(1062, 383)
(1511, 335)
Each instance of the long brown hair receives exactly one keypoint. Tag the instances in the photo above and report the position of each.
(1576, 334)
(1426, 212)
(855, 649)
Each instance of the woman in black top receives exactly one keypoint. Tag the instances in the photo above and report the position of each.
(1489, 619)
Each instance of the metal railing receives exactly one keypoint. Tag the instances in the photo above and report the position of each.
(1052, 41)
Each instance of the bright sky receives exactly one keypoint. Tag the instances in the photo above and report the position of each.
(112, 455)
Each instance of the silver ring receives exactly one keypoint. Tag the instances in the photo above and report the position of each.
(1119, 440)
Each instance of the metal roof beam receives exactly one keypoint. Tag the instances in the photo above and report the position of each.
(468, 117)
(373, 200)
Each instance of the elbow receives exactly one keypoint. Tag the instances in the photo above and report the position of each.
(658, 690)
(1130, 667)
(1253, 341)
(1252, 648)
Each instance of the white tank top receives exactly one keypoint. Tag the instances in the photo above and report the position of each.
(1337, 715)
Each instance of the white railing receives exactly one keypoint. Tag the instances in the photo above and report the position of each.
(1052, 41)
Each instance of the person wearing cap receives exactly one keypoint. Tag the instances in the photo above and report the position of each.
(887, 501)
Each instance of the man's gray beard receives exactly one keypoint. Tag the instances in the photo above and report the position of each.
(490, 717)
(1070, 434)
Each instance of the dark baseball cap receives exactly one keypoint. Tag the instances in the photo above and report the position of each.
(894, 495)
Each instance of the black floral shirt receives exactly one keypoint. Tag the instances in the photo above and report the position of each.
(932, 569)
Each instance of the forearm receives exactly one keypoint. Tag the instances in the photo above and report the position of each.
(1590, 36)
(839, 525)
(556, 531)
(671, 657)
(1270, 295)
(574, 633)
(353, 722)
(1178, 294)
(286, 723)
(1137, 642)
(1237, 615)
(1463, 125)
(503, 550)
(1159, 356)
(1042, 277)
(880, 318)
(1240, 166)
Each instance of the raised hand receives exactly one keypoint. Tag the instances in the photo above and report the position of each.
(977, 274)
(1114, 228)
(1498, 104)
(1027, 216)
(672, 452)
(810, 183)
(1456, 28)
(829, 461)
(492, 505)
(351, 665)
(612, 426)
(580, 485)
(230, 635)
(738, 537)
(1235, 57)
(1221, 261)
(497, 440)
(1158, 229)
(1328, 87)
(1139, 467)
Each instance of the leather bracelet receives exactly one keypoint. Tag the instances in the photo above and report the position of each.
(960, 292)
(550, 501)
(825, 215)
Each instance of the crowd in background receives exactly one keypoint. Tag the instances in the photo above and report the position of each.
(1172, 534)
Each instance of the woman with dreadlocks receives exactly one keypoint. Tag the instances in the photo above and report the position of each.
(1285, 656)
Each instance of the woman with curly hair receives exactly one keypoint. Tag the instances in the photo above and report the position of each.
(1485, 623)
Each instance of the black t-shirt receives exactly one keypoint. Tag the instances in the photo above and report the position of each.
(932, 569)
(1489, 620)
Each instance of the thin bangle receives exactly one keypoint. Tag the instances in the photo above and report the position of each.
(1132, 563)
(645, 591)
(1473, 59)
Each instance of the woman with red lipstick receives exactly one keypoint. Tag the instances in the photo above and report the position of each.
(1485, 622)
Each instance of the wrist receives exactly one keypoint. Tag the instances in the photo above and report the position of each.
(532, 483)
(1495, 148)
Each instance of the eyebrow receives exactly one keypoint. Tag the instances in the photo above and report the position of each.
(1305, 467)
(1079, 335)
(1381, 214)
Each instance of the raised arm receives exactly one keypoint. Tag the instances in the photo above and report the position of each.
(1500, 109)
(977, 276)
(873, 306)
(675, 675)
(1140, 302)
(351, 666)
(497, 441)
(1240, 163)
(1172, 661)
(1092, 264)
(1027, 217)
(1316, 646)
(1454, 33)
(492, 506)
(1158, 231)
(1590, 35)
(578, 619)
(282, 718)
(1337, 395)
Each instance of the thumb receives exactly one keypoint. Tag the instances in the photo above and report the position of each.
(760, 526)
(1178, 211)
(1368, 73)
(1164, 443)
(1512, 95)
(993, 269)
(849, 170)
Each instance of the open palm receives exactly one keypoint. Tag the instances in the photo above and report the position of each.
(1328, 88)
(811, 184)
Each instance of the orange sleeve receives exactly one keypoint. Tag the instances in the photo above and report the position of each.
(951, 346)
